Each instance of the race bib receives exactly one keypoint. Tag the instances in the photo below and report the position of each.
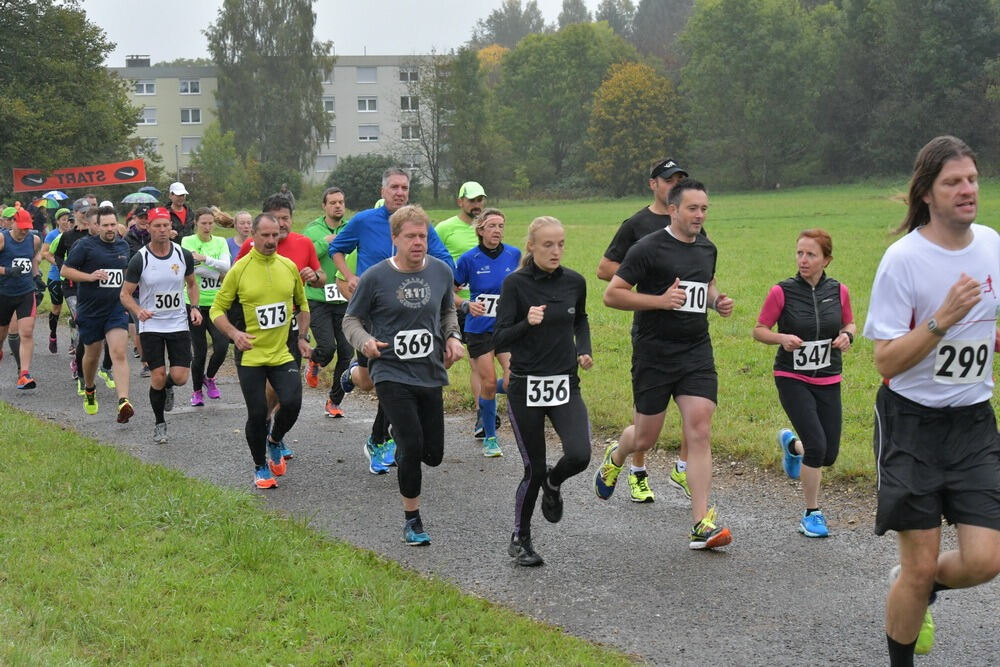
(23, 263)
(962, 361)
(813, 355)
(547, 390)
(697, 296)
(491, 301)
(332, 293)
(167, 300)
(115, 279)
(413, 344)
(271, 315)
(208, 282)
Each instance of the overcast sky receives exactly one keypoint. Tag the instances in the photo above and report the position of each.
(169, 29)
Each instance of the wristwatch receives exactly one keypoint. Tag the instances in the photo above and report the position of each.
(456, 335)
(933, 327)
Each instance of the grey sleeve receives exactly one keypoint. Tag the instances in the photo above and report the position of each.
(355, 332)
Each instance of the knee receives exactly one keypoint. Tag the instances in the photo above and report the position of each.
(577, 462)
(488, 390)
(983, 566)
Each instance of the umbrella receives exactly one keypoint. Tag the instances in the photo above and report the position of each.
(45, 202)
(139, 198)
(149, 189)
(56, 195)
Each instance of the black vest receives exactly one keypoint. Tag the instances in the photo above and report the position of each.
(811, 313)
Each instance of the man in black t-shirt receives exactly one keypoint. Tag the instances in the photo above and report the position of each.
(673, 273)
(663, 175)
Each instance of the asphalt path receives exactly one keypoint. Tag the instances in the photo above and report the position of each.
(615, 572)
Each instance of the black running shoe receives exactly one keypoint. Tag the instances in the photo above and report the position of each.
(521, 551)
(552, 504)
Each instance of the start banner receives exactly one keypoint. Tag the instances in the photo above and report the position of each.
(133, 171)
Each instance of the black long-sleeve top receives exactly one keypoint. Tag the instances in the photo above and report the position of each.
(552, 347)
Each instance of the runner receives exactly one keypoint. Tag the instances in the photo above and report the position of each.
(212, 256)
(137, 236)
(79, 230)
(97, 264)
(674, 273)
(542, 320)
(259, 293)
(241, 224)
(13, 340)
(181, 217)
(663, 175)
(19, 255)
(815, 327)
(484, 269)
(53, 283)
(327, 304)
(932, 320)
(408, 303)
(159, 273)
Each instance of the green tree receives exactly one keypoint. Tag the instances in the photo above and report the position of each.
(573, 11)
(618, 14)
(656, 25)
(59, 105)
(546, 91)
(216, 162)
(360, 177)
(508, 24)
(271, 72)
(632, 123)
(186, 62)
(425, 118)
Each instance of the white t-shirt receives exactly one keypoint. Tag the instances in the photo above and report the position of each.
(911, 283)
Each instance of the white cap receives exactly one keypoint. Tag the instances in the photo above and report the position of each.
(106, 203)
(178, 189)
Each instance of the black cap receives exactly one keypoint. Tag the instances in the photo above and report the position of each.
(666, 169)
(141, 209)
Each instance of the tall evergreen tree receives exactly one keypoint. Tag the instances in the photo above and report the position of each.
(573, 11)
(508, 24)
(619, 15)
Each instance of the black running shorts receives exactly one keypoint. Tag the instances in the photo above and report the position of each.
(653, 383)
(479, 344)
(157, 347)
(23, 305)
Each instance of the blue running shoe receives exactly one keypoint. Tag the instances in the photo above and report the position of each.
(413, 533)
(814, 525)
(286, 453)
(790, 461)
(607, 474)
(346, 383)
(374, 453)
(274, 459)
(389, 453)
(263, 479)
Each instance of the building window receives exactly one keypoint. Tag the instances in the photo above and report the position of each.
(190, 116)
(189, 145)
(333, 134)
(148, 116)
(408, 103)
(367, 132)
(410, 132)
(329, 77)
(147, 87)
(367, 74)
(325, 163)
(328, 103)
(408, 74)
(190, 86)
(367, 104)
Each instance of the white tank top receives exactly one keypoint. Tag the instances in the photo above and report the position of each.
(161, 291)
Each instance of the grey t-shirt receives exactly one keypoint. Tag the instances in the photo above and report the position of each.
(406, 310)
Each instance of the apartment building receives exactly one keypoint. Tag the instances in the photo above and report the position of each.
(368, 99)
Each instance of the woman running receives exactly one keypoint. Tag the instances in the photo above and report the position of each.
(815, 326)
(542, 321)
(483, 269)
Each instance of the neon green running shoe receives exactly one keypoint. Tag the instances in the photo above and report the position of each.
(607, 474)
(90, 402)
(79, 386)
(108, 377)
(679, 480)
(638, 482)
(925, 640)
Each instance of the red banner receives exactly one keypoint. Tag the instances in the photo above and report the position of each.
(133, 171)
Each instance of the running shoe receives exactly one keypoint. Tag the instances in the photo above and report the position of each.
(346, 383)
(389, 453)
(79, 387)
(197, 398)
(638, 482)
(679, 480)
(790, 461)
(521, 550)
(135, 352)
(312, 374)
(211, 389)
(160, 433)
(275, 461)
(814, 525)
(168, 400)
(286, 453)
(707, 535)
(53, 344)
(332, 409)
(491, 448)
(925, 638)
(479, 432)
(263, 479)
(413, 533)
(125, 411)
(607, 474)
(90, 402)
(374, 454)
(145, 372)
(26, 381)
(108, 377)
(552, 504)
(73, 369)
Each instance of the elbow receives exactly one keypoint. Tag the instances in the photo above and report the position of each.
(603, 274)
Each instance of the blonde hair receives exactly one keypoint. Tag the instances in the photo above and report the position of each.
(536, 224)
(480, 222)
(405, 214)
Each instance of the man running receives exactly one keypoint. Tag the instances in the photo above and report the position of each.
(932, 319)
(181, 216)
(53, 283)
(673, 271)
(97, 264)
(160, 272)
(259, 293)
(663, 175)
(19, 255)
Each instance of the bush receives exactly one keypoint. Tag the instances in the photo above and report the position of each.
(273, 174)
(360, 177)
